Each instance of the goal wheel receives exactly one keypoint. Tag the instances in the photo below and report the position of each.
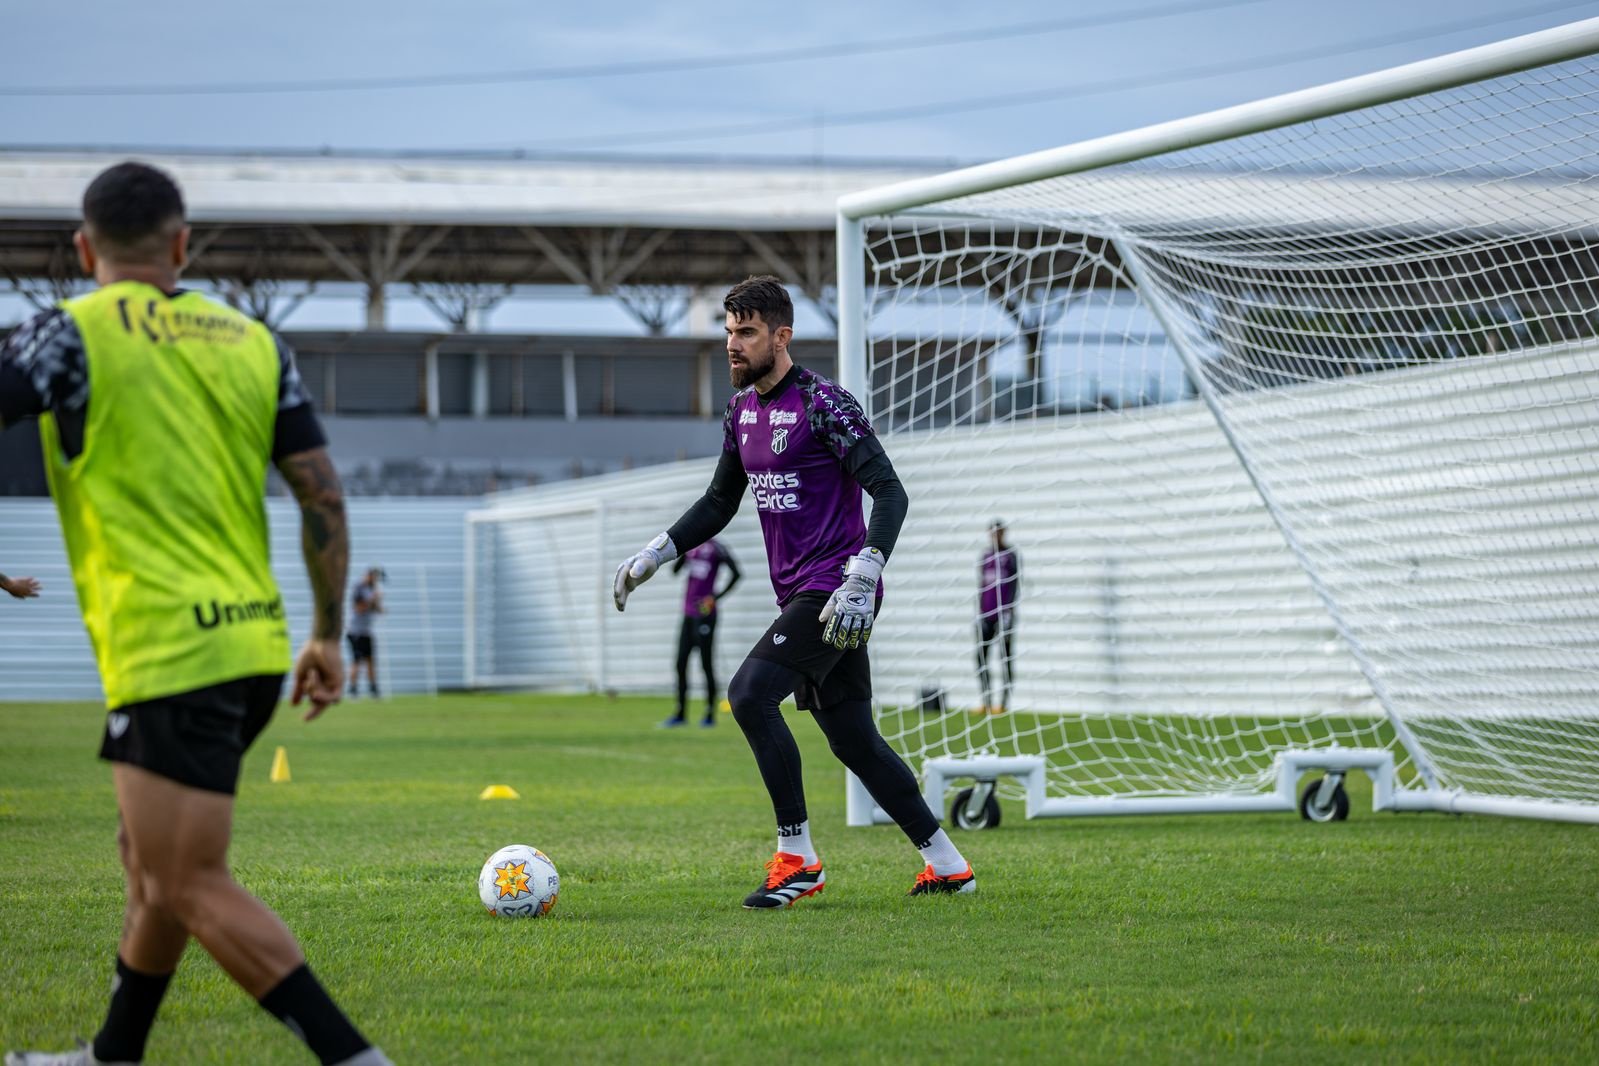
(1336, 811)
(986, 814)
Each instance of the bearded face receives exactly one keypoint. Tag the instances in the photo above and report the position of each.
(751, 350)
(745, 373)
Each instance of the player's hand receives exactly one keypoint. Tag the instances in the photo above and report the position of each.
(707, 605)
(22, 588)
(641, 567)
(318, 676)
(847, 616)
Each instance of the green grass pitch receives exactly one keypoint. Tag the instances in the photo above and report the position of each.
(1395, 938)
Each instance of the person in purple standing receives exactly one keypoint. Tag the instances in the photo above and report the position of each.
(999, 576)
(804, 450)
(698, 633)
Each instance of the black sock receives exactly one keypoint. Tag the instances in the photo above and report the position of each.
(300, 1002)
(135, 998)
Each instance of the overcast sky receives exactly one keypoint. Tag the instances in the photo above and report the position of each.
(933, 81)
(1145, 70)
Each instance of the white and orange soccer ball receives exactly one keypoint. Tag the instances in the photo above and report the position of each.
(519, 881)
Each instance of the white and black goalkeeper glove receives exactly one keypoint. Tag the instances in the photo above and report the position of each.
(641, 567)
(848, 614)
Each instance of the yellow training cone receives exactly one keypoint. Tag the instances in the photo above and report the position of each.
(727, 708)
(499, 792)
(280, 767)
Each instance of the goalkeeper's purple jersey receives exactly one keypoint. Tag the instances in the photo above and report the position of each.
(792, 444)
(997, 581)
(703, 564)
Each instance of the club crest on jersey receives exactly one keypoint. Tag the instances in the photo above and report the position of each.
(783, 418)
(779, 440)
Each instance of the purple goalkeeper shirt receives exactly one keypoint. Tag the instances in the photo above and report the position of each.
(997, 581)
(703, 564)
(792, 443)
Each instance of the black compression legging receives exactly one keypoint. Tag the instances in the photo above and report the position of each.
(701, 633)
(989, 634)
(756, 692)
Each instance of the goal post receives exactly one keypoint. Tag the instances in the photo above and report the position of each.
(1292, 410)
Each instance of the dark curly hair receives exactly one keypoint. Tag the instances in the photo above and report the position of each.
(763, 296)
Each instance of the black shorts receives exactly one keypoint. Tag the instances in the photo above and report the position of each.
(795, 640)
(698, 629)
(196, 738)
(360, 646)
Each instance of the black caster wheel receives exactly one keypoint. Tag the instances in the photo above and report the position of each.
(986, 816)
(1337, 811)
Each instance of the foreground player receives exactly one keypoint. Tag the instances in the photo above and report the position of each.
(159, 411)
(804, 449)
(698, 632)
(999, 575)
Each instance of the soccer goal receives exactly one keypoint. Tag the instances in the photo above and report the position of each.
(1292, 413)
(538, 585)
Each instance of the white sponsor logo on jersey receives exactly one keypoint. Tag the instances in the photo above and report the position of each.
(783, 418)
(779, 441)
(769, 487)
(747, 418)
(116, 724)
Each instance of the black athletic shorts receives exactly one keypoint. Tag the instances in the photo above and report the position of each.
(196, 738)
(360, 646)
(795, 641)
(697, 629)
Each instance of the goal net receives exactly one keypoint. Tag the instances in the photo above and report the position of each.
(1292, 415)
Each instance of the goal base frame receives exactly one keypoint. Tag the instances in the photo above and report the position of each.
(1288, 768)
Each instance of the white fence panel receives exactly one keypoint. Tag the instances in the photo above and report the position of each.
(45, 653)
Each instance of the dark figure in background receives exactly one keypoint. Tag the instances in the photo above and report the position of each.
(998, 581)
(21, 588)
(366, 603)
(700, 600)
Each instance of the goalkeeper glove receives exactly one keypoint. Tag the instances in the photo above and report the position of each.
(641, 567)
(848, 614)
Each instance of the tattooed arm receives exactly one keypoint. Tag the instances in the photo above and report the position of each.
(325, 543)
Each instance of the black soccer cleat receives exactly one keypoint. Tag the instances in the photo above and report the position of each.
(929, 883)
(788, 880)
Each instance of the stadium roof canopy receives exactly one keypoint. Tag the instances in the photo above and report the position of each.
(459, 229)
(454, 226)
(466, 191)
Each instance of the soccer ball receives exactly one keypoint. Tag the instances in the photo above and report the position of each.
(518, 881)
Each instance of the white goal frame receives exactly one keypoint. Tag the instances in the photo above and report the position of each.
(1560, 44)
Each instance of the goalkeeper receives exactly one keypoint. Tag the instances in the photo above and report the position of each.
(805, 451)
(698, 632)
(999, 574)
